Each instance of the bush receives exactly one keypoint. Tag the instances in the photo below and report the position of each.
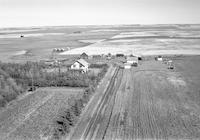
(63, 123)
(2, 101)
(9, 90)
(77, 107)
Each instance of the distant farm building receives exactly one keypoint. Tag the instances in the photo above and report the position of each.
(159, 58)
(170, 64)
(119, 55)
(127, 65)
(136, 55)
(109, 56)
(80, 64)
(96, 56)
(132, 60)
(83, 56)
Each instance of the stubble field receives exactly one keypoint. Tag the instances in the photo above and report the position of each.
(146, 102)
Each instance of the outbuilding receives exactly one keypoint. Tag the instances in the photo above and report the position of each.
(127, 65)
(119, 55)
(132, 60)
(160, 58)
(84, 56)
(96, 57)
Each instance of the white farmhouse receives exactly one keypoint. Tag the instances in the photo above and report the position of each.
(80, 64)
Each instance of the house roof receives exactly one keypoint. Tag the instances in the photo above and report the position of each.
(82, 62)
(127, 64)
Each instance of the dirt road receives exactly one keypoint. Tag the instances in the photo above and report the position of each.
(147, 102)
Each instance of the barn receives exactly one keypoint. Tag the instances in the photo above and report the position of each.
(84, 56)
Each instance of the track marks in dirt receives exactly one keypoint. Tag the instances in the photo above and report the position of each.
(146, 105)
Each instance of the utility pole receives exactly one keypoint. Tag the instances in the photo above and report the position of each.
(31, 79)
(31, 73)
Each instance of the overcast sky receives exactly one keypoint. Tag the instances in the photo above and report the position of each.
(89, 12)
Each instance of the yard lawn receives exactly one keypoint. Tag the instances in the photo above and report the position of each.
(94, 71)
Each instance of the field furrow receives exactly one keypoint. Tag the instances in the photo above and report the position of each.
(145, 104)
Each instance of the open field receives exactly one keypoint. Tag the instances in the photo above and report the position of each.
(148, 40)
(146, 102)
(32, 116)
(38, 43)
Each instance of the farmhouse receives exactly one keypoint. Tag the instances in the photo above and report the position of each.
(132, 60)
(80, 64)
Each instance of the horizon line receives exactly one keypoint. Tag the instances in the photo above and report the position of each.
(144, 24)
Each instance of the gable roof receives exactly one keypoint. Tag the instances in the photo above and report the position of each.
(84, 55)
(82, 62)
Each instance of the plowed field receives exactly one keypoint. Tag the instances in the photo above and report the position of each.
(145, 102)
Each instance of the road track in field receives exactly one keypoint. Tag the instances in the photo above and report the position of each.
(141, 103)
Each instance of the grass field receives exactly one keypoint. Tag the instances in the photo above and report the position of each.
(32, 116)
(146, 102)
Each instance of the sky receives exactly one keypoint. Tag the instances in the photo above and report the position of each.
(20, 13)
